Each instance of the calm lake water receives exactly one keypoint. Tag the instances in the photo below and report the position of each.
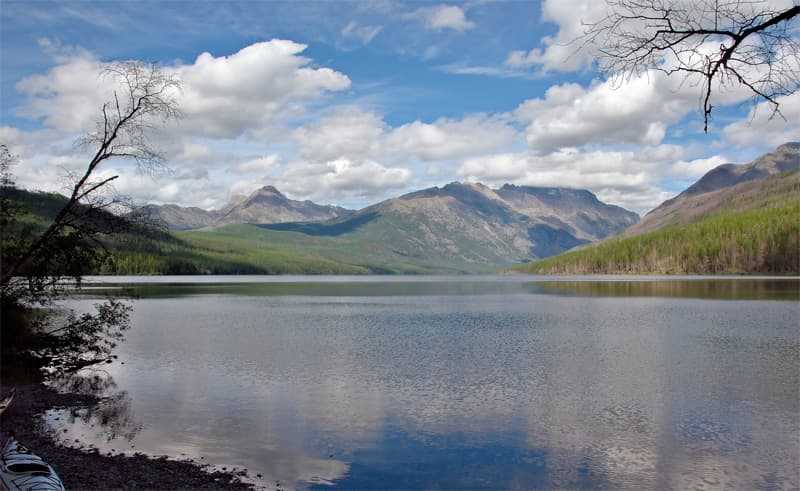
(510, 382)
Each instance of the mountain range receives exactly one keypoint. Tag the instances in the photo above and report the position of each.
(735, 219)
(457, 227)
(265, 205)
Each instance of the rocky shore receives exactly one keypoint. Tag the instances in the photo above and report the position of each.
(86, 468)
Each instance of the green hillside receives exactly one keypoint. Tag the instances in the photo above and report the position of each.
(353, 245)
(147, 250)
(756, 231)
(375, 246)
(174, 255)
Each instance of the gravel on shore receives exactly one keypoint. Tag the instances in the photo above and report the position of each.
(81, 468)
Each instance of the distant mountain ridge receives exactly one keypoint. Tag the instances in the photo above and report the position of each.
(785, 158)
(706, 195)
(469, 226)
(264, 206)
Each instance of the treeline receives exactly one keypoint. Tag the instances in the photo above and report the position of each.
(166, 254)
(198, 261)
(762, 240)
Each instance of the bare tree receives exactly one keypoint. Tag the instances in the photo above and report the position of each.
(144, 96)
(744, 43)
(33, 264)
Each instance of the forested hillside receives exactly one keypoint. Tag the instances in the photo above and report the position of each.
(754, 228)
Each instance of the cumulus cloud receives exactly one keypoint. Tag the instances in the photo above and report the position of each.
(696, 168)
(560, 52)
(441, 17)
(354, 134)
(347, 132)
(226, 95)
(448, 138)
(69, 97)
(624, 178)
(762, 127)
(221, 96)
(192, 152)
(638, 111)
(225, 100)
(343, 180)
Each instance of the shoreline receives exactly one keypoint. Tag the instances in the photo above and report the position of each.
(84, 467)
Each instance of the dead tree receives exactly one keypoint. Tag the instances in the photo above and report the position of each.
(744, 43)
(33, 265)
(144, 95)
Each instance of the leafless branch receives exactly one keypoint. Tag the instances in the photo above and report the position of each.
(712, 43)
(145, 96)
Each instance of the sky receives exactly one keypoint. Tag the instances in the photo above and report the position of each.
(351, 103)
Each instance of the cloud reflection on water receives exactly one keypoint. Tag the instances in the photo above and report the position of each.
(509, 391)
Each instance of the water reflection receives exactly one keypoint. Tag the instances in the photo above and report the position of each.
(478, 390)
(720, 288)
(109, 419)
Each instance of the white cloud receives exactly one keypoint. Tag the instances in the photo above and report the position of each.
(365, 34)
(69, 97)
(226, 100)
(347, 132)
(488, 71)
(627, 179)
(342, 180)
(354, 134)
(221, 96)
(696, 168)
(638, 111)
(224, 96)
(441, 17)
(447, 138)
(261, 164)
(192, 152)
(762, 128)
(561, 52)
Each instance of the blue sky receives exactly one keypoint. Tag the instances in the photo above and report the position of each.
(350, 103)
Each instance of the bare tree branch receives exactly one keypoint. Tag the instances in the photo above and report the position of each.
(712, 43)
(149, 95)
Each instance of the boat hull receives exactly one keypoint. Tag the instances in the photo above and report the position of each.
(22, 470)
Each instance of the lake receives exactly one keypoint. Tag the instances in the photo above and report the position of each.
(494, 382)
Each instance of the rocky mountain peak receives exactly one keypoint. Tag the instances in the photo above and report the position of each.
(270, 190)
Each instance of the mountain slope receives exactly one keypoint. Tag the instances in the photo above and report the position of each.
(265, 205)
(709, 193)
(460, 227)
(268, 205)
(558, 210)
(751, 227)
(145, 250)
